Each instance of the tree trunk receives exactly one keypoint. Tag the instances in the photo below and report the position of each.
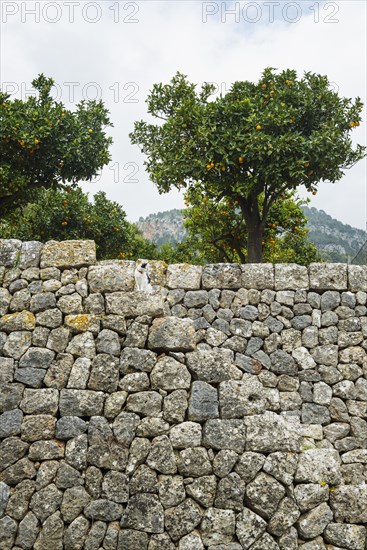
(255, 229)
(254, 243)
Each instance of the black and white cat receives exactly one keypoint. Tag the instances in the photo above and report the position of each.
(142, 279)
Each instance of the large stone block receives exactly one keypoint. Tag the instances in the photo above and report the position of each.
(357, 278)
(238, 398)
(172, 334)
(68, 254)
(81, 402)
(348, 503)
(30, 253)
(328, 276)
(271, 432)
(258, 276)
(221, 276)
(291, 277)
(225, 434)
(319, 465)
(213, 366)
(169, 374)
(24, 320)
(9, 252)
(112, 277)
(185, 276)
(135, 303)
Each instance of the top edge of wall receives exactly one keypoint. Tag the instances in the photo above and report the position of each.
(115, 275)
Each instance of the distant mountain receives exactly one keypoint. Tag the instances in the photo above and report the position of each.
(336, 241)
(163, 227)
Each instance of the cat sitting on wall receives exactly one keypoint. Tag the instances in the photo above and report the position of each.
(142, 279)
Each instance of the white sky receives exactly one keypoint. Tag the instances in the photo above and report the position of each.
(118, 50)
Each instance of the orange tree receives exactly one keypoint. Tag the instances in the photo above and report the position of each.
(67, 214)
(217, 231)
(257, 141)
(42, 144)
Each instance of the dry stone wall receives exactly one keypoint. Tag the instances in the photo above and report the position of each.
(225, 411)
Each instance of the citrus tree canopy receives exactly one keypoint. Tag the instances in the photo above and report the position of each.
(260, 139)
(217, 231)
(42, 144)
(63, 214)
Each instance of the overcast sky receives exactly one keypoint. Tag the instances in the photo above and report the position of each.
(118, 50)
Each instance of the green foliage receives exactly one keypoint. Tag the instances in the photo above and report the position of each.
(42, 144)
(67, 214)
(259, 140)
(218, 233)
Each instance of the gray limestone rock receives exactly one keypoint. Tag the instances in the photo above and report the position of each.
(108, 342)
(185, 434)
(203, 490)
(316, 465)
(313, 523)
(68, 254)
(213, 366)
(161, 456)
(346, 535)
(129, 539)
(58, 339)
(238, 398)
(40, 401)
(134, 304)
(347, 503)
(271, 432)
(203, 402)
(169, 374)
(171, 490)
(18, 503)
(17, 344)
(82, 345)
(282, 466)
(28, 531)
(174, 406)
(257, 495)
(230, 492)
(184, 276)
(76, 452)
(103, 509)
(172, 334)
(104, 374)
(46, 501)
(38, 427)
(145, 513)
(224, 434)
(194, 462)
(112, 277)
(133, 359)
(147, 403)
(115, 486)
(10, 423)
(182, 519)
(259, 276)
(283, 363)
(218, 527)
(286, 515)
(310, 495)
(217, 276)
(67, 476)
(249, 527)
(50, 318)
(80, 402)
(75, 534)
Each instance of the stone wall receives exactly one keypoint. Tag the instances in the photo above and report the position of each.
(227, 410)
